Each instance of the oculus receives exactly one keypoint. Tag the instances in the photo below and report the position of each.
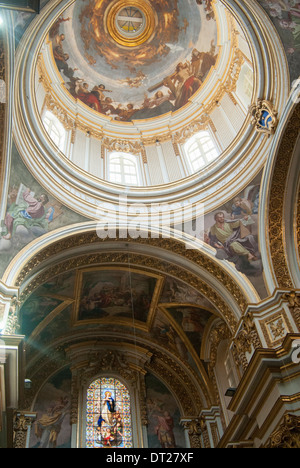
(130, 25)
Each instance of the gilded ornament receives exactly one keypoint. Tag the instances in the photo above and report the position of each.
(287, 435)
(276, 204)
(148, 262)
(21, 424)
(125, 37)
(194, 431)
(293, 299)
(264, 117)
(275, 328)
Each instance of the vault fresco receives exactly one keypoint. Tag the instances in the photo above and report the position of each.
(111, 294)
(164, 429)
(148, 80)
(52, 428)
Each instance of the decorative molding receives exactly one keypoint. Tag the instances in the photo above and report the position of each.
(246, 341)
(293, 299)
(21, 423)
(287, 435)
(275, 328)
(193, 428)
(187, 132)
(62, 115)
(148, 262)
(276, 220)
(264, 117)
(125, 146)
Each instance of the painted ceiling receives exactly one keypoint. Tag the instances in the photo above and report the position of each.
(135, 60)
(124, 301)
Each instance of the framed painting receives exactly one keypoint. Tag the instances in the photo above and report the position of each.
(122, 294)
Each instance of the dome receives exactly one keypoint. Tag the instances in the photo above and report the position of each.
(148, 99)
(149, 241)
(135, 60)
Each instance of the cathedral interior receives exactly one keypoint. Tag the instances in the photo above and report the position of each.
(149, 237)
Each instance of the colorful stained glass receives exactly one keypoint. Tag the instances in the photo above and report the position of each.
(108, 416)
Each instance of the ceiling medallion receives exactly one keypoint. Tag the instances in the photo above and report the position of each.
(130, 23)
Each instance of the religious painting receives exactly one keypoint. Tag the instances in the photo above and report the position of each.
(104, 294)
(52, 428)
(61, 285)
(31, 212)
(108, 422)
(285, 14)
(192, 321)
(164, 429)
(165, 334)
(135, 62)
(232, 230)
(57, 326)
(35, 309)
(178, 292)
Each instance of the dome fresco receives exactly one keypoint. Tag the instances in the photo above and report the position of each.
(149, 249)
(135, 60)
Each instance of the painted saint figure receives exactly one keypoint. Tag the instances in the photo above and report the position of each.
(164, 430)
(31, 213)
(183, 84)
(226, 236)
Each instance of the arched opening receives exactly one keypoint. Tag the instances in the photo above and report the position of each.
(200, 151)
(108, 414)
(123, 169)
(55, 130)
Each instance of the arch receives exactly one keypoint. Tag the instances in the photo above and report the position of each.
(279, 190)
(230, 291)
(108, 414)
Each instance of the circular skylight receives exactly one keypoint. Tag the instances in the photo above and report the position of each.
(130, 21)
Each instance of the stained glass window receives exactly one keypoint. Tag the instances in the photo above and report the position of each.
(108, 421)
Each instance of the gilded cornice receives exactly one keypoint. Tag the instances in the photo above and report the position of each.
(260, 357)
(276, 204)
